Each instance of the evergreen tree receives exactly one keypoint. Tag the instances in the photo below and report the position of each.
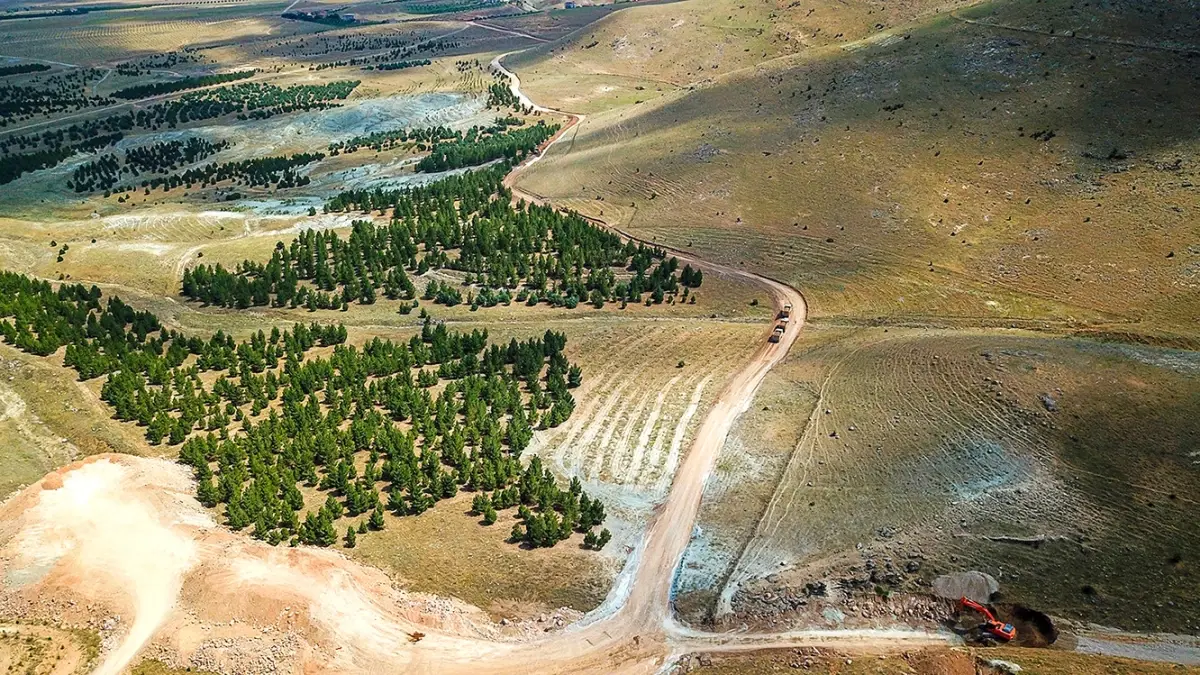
(376, 521)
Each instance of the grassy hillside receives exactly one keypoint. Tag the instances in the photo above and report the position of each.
(946, 447)
(1014, 163)
(940, 168)
(641, 52)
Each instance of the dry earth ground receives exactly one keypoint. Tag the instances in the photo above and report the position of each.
(32, 649)
(927, 662)
(889, 457)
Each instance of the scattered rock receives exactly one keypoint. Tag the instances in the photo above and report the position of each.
(1048, 402)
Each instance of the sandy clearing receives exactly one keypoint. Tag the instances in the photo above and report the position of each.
(575, 457)
(86, 517)
(146, 247)
(68, 659)
(125, 535)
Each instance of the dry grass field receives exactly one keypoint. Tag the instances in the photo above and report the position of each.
(49, 419)
(102, 37)
(951, 447)
(448, 552)
(911, 174)
(934, 184)
(37, 649)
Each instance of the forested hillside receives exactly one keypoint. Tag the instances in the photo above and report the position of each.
(277, 415)
(466, 223)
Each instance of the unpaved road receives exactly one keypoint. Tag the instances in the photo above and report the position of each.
(645, 609)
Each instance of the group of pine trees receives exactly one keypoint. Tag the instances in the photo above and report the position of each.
(278, 416)
(465, 223)
(247, 100)
(400, 65)
(183, 84)
(106, 171)
(160, 61)
(62, 92)
(14, 166)
(387, 140)
(422, 138)
(479, 146)
(500, 95)
(23, 68)
(258, 172)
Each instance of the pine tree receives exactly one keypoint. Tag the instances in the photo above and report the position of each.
(376, 521)
(350, 537)
(395, 502)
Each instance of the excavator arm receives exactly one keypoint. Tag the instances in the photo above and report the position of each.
(999, 629)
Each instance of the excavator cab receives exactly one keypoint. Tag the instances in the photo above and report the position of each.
(993, 627)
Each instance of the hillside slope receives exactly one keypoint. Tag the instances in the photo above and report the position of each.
(947, 167)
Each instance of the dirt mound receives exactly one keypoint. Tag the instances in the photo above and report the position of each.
(977, 586)
(1034, 629)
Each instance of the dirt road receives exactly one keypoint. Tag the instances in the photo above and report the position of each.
(644, 610)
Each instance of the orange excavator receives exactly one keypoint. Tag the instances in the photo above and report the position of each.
(993, 627)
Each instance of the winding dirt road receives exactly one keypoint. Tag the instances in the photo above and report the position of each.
(638, 612)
